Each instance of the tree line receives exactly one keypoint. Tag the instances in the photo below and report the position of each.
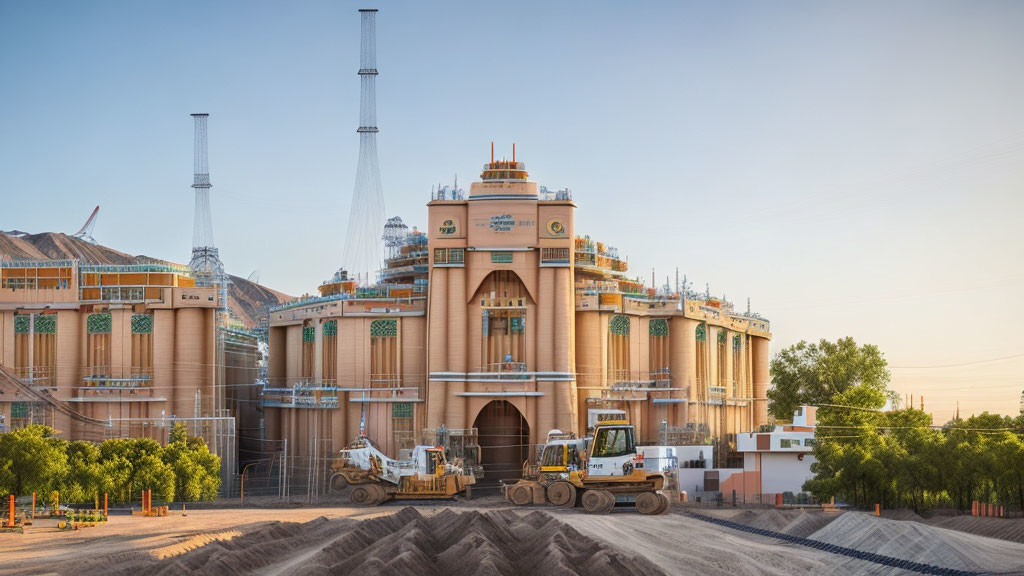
(867, 454)
(34, 459)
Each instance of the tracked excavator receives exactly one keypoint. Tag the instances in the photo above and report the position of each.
(375, 478)
(594, 473)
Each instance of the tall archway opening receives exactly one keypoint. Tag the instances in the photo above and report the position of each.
(504, 437)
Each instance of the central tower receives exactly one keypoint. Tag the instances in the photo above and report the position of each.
(361, 255)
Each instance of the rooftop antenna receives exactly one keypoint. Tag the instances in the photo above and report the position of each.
(513, 152)
(86, 232)
(366, 218)
(748, 305)
(254, 276)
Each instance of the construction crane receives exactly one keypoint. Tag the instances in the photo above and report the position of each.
(86, 231)
(377, 478)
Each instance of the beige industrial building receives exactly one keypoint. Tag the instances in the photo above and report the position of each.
(503, 319)
(100, 351)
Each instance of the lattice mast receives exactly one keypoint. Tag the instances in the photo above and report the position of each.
(361, 255)
(205, 261)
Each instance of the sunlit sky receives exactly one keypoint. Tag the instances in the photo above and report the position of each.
(854, 168)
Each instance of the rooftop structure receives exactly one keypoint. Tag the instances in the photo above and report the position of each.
(205, 257)
(361, 255)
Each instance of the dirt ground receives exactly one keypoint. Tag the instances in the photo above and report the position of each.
(486, 536)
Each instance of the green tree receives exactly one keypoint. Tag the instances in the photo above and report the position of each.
(808, 373)
(32, 459)
(196, 470)
(85, 474)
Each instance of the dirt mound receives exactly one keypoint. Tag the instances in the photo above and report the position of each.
(808, 522)
(18, 247)
(902, 514)
(1011, 529)
(921, 543)
(408, 542)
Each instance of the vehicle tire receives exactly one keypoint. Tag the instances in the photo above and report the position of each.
(562, 494)
(338, 483)
(648, 503)
(520, 495)
(594, 501)
(363, 495)
(665, 503)
(609, 502)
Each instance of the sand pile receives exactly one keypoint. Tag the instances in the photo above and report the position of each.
(1011, 529)
(808, 522)
(469, 543)
(921, 543)
(801, 523)
(408, 542)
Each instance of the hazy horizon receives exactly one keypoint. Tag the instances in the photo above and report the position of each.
(853, 168)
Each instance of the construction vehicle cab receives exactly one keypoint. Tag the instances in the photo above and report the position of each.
(613, 451)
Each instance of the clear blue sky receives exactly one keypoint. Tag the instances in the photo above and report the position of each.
(855, 168)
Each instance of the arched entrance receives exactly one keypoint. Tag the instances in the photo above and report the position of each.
(504, 441)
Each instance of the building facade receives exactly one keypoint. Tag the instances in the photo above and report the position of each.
(511, 323)
(103, 351)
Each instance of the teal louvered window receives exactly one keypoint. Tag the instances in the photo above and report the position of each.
(99, 323)
(619, 325)
(384, 328)
(659, 327)
(331, 328)
(702, 333)
(142, 324)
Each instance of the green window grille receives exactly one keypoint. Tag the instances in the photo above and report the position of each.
(401, 410)
(384, 328)
(737, 343)
(99, 323)
(619, 325)
(721, 336)
(46, 324)
(21, 324)
(331, 328)
(517, 324)
(309, 334)
(702, 333)
(142, 324)
(501, 257)
(19, 409)
(659, 327)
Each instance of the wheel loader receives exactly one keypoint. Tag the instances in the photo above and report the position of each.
(604, 471)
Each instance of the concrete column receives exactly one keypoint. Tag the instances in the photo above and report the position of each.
(455, 409)
(437, 360)
(762, 378)
(188, 359)
(547, 405)
(563, 341)
(318, 352)
(163, 359)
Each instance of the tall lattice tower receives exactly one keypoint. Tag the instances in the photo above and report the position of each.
(205, 262)
(361, 255)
